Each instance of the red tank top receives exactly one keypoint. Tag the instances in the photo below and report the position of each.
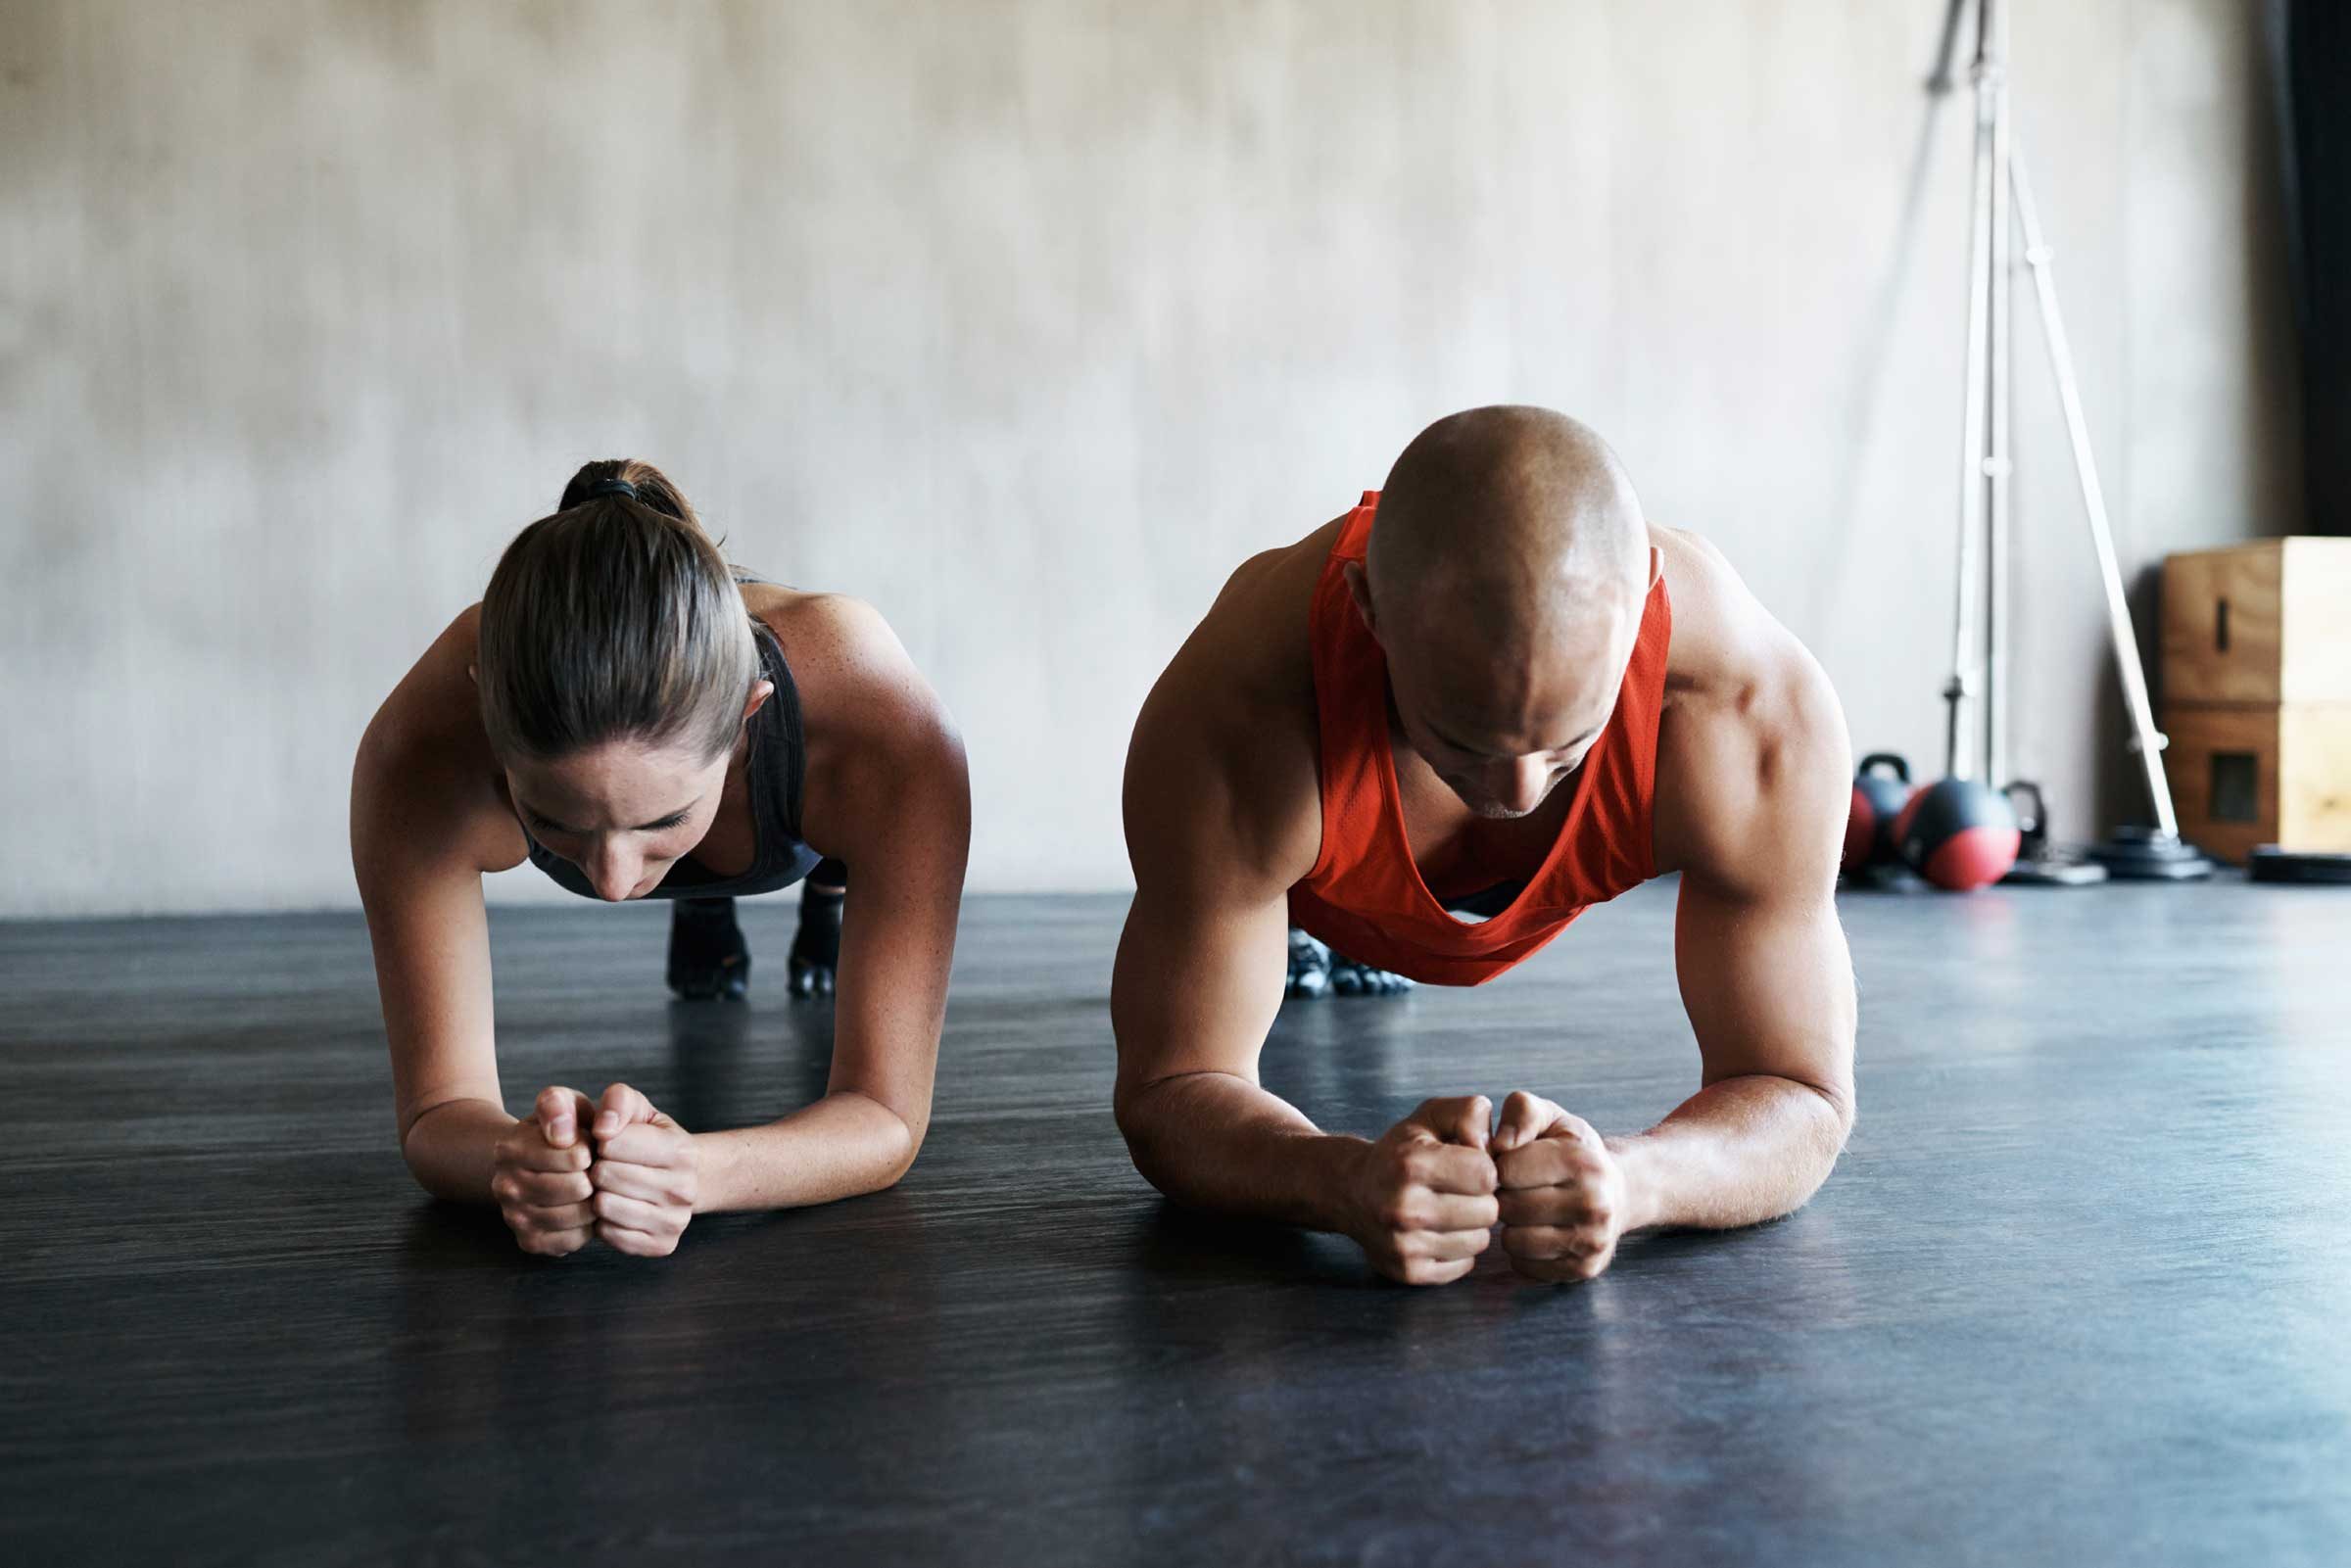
(1364, 895)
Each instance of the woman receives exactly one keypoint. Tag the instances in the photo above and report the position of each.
(619, 710)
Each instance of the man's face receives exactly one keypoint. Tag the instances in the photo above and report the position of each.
(1502, 715)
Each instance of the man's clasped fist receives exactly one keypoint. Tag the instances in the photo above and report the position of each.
(1429, 1192)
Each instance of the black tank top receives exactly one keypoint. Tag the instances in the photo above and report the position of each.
(778, 762)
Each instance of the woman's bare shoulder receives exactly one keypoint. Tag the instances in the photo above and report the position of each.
(425, 766)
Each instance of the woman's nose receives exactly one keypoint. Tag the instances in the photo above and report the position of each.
(614, 873)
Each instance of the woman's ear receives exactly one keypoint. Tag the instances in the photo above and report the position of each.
(473, 674)
(761, 691)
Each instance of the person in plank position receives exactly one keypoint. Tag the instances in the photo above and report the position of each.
(639, 719)
(1491, 691)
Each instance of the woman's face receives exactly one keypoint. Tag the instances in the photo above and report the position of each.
(624, 812)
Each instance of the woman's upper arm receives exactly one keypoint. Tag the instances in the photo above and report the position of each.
(416, 847)
(897, 808)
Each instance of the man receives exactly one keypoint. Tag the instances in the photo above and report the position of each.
(1493, 688)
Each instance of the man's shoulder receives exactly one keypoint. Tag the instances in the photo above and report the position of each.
(1752, 755)
(1224, 756)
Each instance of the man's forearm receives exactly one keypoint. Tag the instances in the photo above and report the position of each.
(1737, 1153)
(1212, 1140)
(843, 1145)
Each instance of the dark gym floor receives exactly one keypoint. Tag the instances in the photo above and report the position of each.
(2080, 1291)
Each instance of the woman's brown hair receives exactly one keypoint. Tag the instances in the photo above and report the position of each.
(617, 618)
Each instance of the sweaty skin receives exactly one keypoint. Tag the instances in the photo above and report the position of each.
(433, 811)
(1505, 596)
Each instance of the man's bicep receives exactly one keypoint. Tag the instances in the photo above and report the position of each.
(1768, 984)
(1198, 980)
(1222, 817)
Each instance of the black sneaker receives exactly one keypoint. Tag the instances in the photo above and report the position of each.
(708, 959)
(816, 950)
(1349, 979)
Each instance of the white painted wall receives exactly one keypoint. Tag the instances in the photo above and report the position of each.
(1027, 321)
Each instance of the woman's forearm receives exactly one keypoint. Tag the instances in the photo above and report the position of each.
(451, 1148)
(843, 1145)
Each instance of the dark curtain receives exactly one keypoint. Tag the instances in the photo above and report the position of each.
(2317, 78)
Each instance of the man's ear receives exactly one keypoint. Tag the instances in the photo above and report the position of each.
(473, 674)
(1656, 565)
(1358, 588)
(761, 691)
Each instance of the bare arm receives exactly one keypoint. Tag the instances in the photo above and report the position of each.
(1750, 806)
(1765, 976)
(1769, 989)
(420, 852)
(1196, 985)
(1217, 834)
(894, 804)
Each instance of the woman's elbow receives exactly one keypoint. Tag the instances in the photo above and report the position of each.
(903, 1143)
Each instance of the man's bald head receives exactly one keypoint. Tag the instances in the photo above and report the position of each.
(1507, 569)
(1509, 515)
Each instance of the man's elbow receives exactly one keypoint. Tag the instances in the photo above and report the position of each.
(1838, 1097)
(1138, 1109)
(1832, 1120)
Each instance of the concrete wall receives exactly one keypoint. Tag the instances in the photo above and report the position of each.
(1026, 320)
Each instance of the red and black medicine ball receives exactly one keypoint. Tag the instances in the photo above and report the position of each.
(1958, 834)
(1881, 789)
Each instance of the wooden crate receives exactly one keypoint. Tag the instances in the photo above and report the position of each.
(2248, 774)
(2262, 623)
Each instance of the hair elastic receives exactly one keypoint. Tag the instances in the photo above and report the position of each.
(610, 487)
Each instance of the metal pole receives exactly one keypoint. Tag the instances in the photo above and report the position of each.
(1997, 461)
(1939, 80)
(2147, 741)
(1965, 646)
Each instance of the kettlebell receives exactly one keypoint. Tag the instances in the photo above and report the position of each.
(1880, 789)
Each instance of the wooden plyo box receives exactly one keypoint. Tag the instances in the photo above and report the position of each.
(2257, 694)
(2261, 623)
(2246, 774)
